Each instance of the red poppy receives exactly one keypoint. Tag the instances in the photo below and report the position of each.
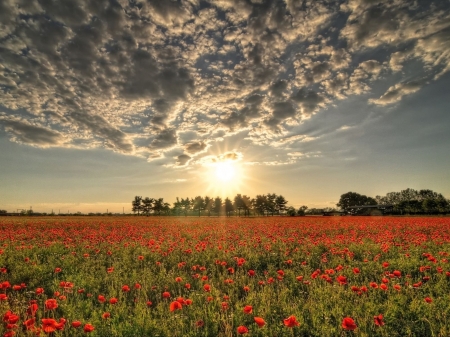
(259, 321)
(125, 288)
(428, 299)
(291, 321)
(175, 305)
(178, 279)
(101, 298)
(251, 272)
(199, 323)
(113, 300)
(397, 273)
(39, 291)
(248, 309)
(3, 297)
(187, 286)
(356, 271)
(49, 325)
(51, 304)
(166, 294)
(246, 288)
(348, 323)
(242, 330)
(106, 315)
(149, 303)
(378, 320)
(76, 324)
(188, 301)
(88, 328)
(207, 287)
(29, 323)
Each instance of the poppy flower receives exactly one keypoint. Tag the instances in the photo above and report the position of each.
(259, 321)
(348, 324)
(356, 271)
(187, 286)
(149, 303)
(51, 304)
(39, 291)
(76, 324)
(397, 273)
(178, 279)
(199, 323)
(60, 325)
(248, 309)
(207, 287)
(3, 297)
(378, 320)
(113, 300)
(57, 270)
(29, 323)
(175, 305)
(49, 325)
(428, 299)
(188, 301)
(125, 288)
(101, 298)
(246, 289)
(291, 321)
(106, 315)
(166, 294)
(242, 330)
(251, 272)
(88, 328)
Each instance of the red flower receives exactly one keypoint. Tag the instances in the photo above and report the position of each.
(259, 321)
(397, 273)
(101, 298)
(428, 299)
(49, 325)
(88, 328)
(188, 301)
(207, 287)
(199, 323)
(76, 324)
(291, 321)
(125, 288)
(378, 320)
(29, 323)
(251, 272)
(248, 309)
(175, 305)
(187, 286)
(166, 294)
(113, 300)
(246, 288)
(39, 291)
(348, 323)
(356, 271)
(106, 315)
(178, 279)
(137, 286)
(51, 304)
(3, 297)
(242, 330)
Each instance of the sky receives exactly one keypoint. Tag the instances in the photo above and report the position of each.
(103, 100)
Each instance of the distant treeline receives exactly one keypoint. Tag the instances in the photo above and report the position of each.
(408, 201)
(264, 204)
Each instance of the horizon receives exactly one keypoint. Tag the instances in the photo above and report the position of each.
(307, 99)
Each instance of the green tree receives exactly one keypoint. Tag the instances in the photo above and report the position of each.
(350, 199)
(302, 210)
(198, 204)
(291, 211)
(239, 203)
(217, 205)
(147, 205)
(271, 205)
(260, 204)
(280, 204)
(247, 203)
(228, 206)
(136, 205)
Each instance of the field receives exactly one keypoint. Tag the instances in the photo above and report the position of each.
(275, 276)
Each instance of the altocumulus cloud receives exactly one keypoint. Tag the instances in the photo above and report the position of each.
(131, 75)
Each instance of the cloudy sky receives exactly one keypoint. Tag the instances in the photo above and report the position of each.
(102, 100)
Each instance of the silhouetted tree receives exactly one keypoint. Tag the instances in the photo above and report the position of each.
(136, 204)
(198, 204)
(350, 199)
(302, 210)
(280, 204)
(147, 205)
(228, 207)
(217, 205)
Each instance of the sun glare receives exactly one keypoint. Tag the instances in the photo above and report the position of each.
(225, 171)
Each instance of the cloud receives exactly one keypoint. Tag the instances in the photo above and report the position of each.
(129, 75)
(396, 92)
(182, 160)
(26, 133)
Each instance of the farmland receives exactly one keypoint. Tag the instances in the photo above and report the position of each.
(268, 276)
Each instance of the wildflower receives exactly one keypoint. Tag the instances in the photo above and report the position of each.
(248, 309)
(348, 324)
(51, 304)
(378, 320)
(259, 321)
(291, 321)
(242, 330)
(88, 328)
(175, 305)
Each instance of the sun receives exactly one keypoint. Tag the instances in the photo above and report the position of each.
(225, 171)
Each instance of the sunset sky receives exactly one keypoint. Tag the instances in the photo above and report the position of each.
(104, 100)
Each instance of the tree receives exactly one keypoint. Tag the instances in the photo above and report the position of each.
(302, 210)
(350, 199)
(260, 204)
(136, 204)
(280, 204)
(239, 203)
(270, 205)
(177, 207)
(198, 204)
(186, 205)
(147, 204)
(2, 211)
(247, 202)
(209, 203)
(228, 207)
(291, 211)
(217, 205)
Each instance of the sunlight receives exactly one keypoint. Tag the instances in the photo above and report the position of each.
(225, 171)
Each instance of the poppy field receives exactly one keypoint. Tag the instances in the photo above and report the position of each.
(268, 276)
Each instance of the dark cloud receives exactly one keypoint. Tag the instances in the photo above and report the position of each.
(164, 140)
(26, 133)
(195, 147)
(183, 159)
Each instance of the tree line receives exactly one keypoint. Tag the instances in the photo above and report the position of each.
(407, 201)
(263, 204)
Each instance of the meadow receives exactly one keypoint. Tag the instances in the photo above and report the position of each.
(267, 276)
